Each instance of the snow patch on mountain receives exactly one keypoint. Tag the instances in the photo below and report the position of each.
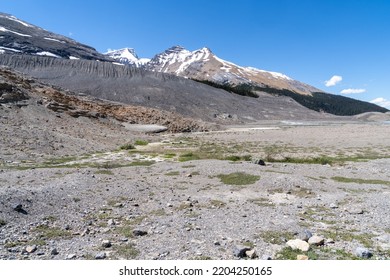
(55, 40)
(44, 53)
(3, 29)
(127, 56)
(15, 19)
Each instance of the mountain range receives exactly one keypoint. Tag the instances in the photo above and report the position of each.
(193, 83)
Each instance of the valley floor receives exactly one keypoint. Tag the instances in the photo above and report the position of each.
(199, 195)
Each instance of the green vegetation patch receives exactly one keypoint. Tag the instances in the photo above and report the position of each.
(126, 251)
(141, 142)
(172, 173)
(127, 147)
(276, 237)
(238, 178)
(360, 181)
(48, 232)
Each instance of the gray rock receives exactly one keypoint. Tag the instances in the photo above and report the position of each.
(316, 240)
(355, 210)
(71, 256)
(54, 252)
(31, 249)
(111, 222)
(240, 251)
(298, 244)
(259, 162)
(100, 256)
(106, 244)
(138, 232)
(251, 254)
(19, 208)
(305, 235)
(363, 253)
(333, 206)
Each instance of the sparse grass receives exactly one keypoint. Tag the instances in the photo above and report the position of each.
(217, 203)
(360, 181)
(142, 163)
(169, 155)
(188, 157)
(127, 251)
(316, 160)
(127, 147)
(38, 242)
(141, 142)
(290, 254)
(238, 178)
(202, 258)
(104, 172)
(364, 239)
(47, 232)
(127, 226)
(276, 237)
(188, 166)
(261, 201)
(160, 212)
(172, 173)
(238, 158)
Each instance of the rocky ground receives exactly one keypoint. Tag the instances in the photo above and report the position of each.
(78, 185)
(168, 200)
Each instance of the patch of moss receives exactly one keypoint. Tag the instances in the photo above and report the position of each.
(360, 181)
(238, 178)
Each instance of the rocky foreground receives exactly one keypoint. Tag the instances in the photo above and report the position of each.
(205, 196)
(78, 180)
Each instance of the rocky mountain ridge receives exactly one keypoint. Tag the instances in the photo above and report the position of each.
(19, 37)
(203, 64)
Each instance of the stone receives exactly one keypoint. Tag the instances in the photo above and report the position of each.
(240, 251)
(217, 243)
(363, 253)
(259, 162)
(100, 256)
(316, 240)
(19, 208)
(54, 252)
(333, 206)
(305, 235)
(71, 257)
(298, 244)
(106, 244)
(302, 258)
(85, 232)
(251, 254)
(31, 249)
(111, 222)
(138, 232)
(355, 211)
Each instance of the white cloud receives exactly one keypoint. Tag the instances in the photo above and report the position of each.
(352, 90)
(333, 81)
(381, 102)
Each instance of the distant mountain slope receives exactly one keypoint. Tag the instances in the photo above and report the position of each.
(203, 64)
(136, 86)
(19, 37)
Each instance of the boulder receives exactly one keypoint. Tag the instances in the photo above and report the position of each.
(298, 244)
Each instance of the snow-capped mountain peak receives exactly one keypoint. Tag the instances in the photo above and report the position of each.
(203, 64)
(127, 56)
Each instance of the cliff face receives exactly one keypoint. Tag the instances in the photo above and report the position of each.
(157, 90)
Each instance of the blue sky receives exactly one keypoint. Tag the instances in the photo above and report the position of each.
(341, 47)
